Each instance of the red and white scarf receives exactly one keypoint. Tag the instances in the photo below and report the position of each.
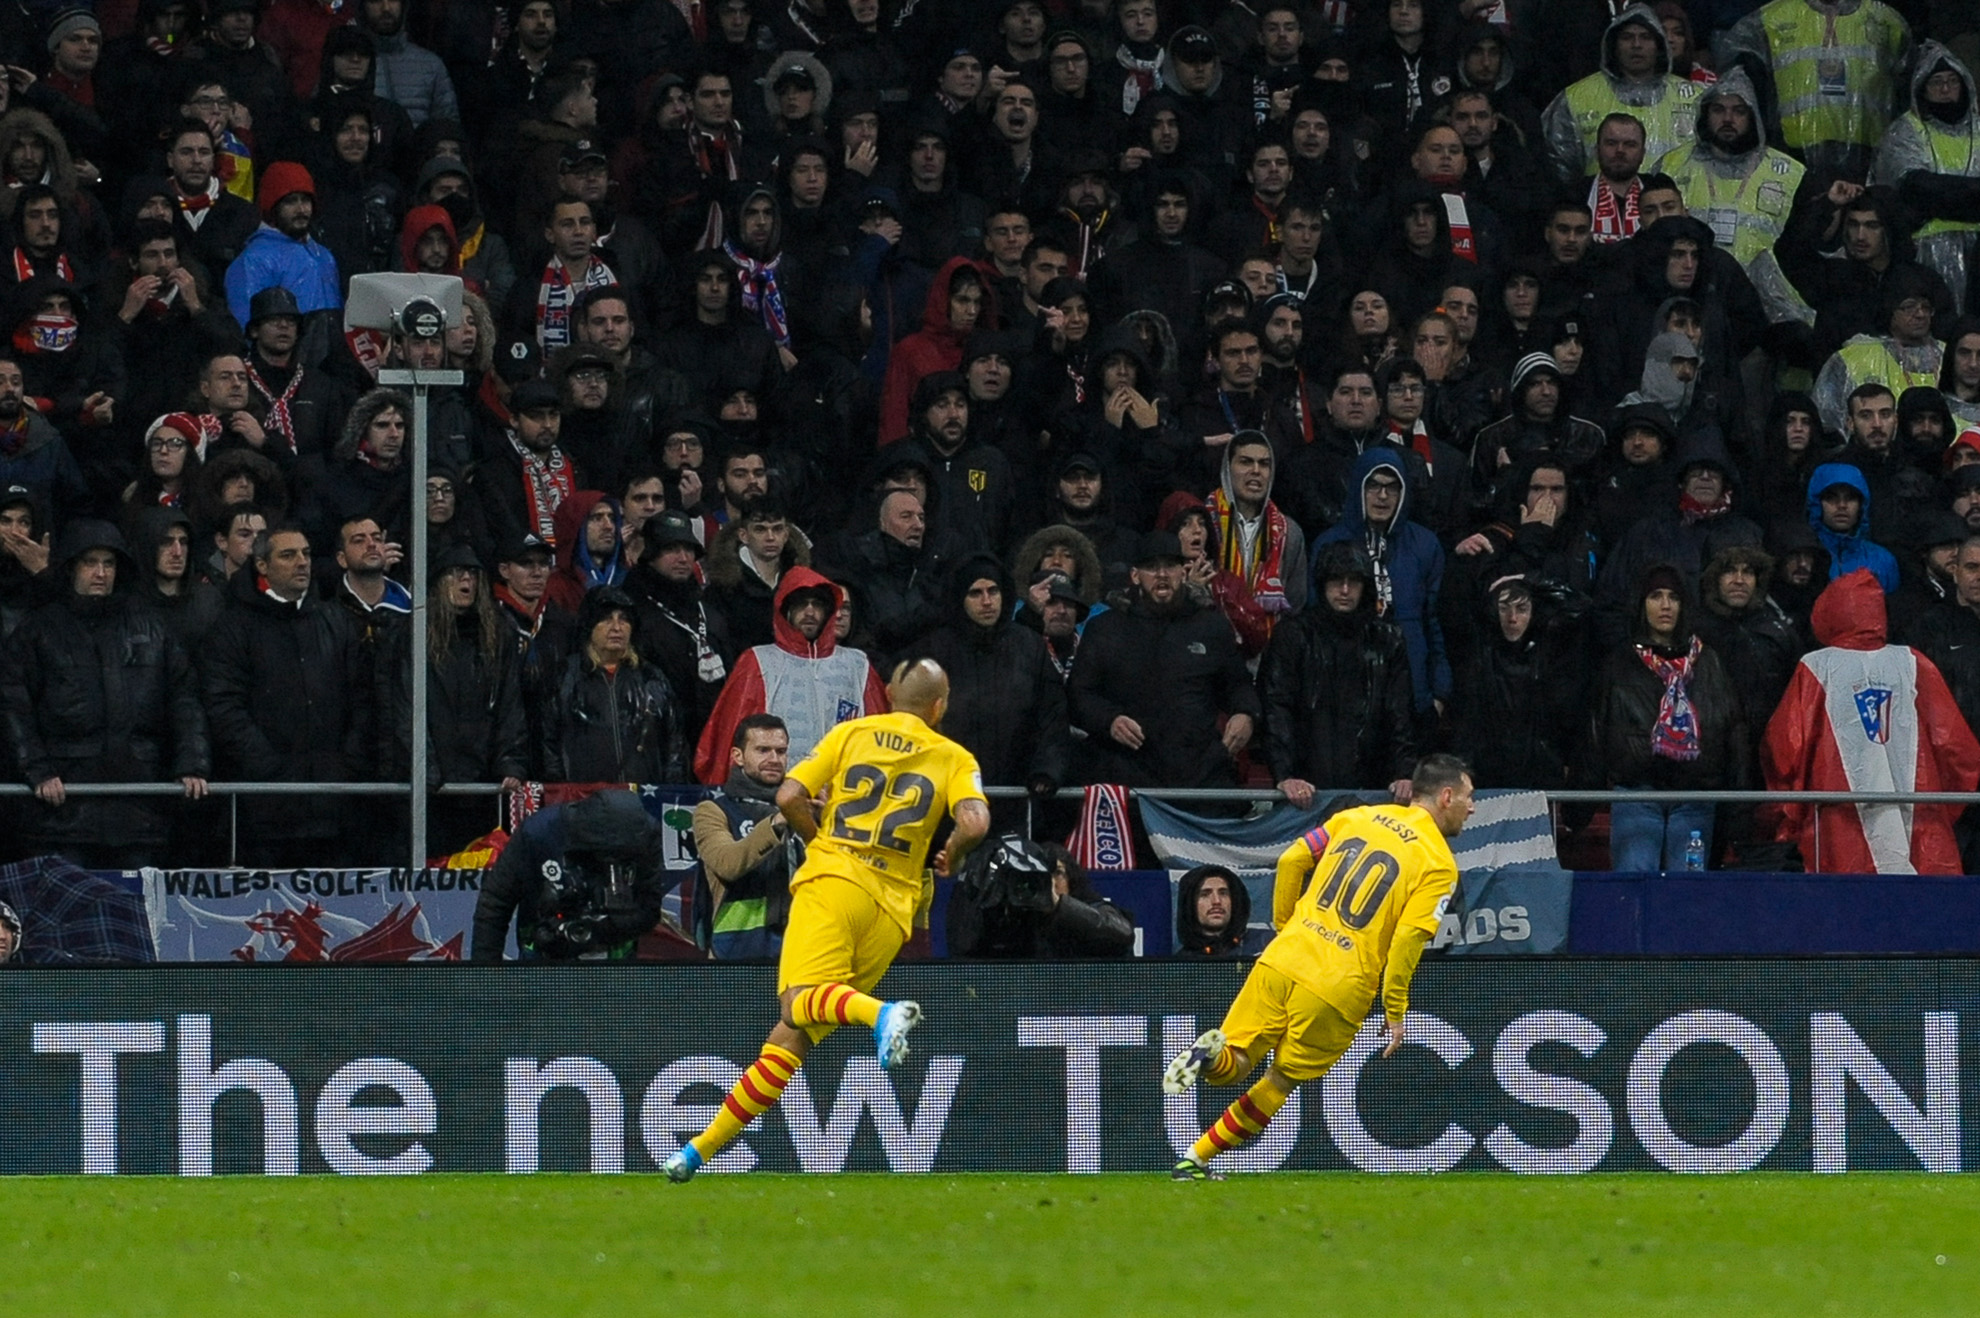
(1614, 221)
(715, 154)
(761, 294)
(24, 267)
(194, 209)
(1104, 839)
(557, 293)
(1464, 244)
(280, 418)
(547, 482)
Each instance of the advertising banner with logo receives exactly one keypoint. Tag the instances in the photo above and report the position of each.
(1519, 1065)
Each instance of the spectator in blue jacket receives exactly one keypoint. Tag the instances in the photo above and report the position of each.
(1839, 511)
(1408, 566)
(282, 252)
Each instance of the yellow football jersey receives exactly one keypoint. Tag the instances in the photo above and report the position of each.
(1376, 869)
(892, 781)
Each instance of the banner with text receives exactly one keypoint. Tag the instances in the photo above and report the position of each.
(1522, 1065)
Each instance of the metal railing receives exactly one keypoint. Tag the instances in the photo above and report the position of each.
(234, 792)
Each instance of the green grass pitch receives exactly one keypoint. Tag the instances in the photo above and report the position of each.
(937, 1246)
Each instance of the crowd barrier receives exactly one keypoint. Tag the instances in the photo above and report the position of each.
(1534, 1066)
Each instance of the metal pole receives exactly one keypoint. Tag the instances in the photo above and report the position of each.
(421, 382)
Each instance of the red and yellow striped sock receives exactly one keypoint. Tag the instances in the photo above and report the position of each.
(756, 1093)
(834, 1004)
(1223, 1069)
(1241, 1121)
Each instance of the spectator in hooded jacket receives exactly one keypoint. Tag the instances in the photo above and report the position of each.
(1684, 534)
(590, 549)
(1335, 686)
(1902, 732)
(959, 300)
(1407, 567)
(1213, 916)
(95, 689)
(1838, 510)
(612, 718)
(1668, 718)
(806, 678)
(1007, 706)
(1521, 694)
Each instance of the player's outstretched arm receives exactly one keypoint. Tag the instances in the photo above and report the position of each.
(1405, 950)
(794, 803)
(972, 826)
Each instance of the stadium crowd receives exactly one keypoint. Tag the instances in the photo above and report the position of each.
(1221, 392)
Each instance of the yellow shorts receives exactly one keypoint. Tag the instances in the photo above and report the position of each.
(836, 934)
(1306, 1033)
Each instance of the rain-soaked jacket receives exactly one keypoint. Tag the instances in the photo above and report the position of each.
(1861, 715)
(1665, 103)
(1935, 166)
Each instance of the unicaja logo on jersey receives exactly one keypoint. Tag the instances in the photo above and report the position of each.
(1873, 707)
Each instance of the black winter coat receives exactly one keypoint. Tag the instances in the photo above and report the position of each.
(476, 732)
(1007, 705)
(1626, 710)
(896, 591)
(1759, 648)
(1174, 670)
(98, 691)
(289, 698)
(1521, 703)
(1949, 636)
(622, 727)
(1339, 706)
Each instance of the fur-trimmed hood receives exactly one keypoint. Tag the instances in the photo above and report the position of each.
(1087, 574)
(363, 413)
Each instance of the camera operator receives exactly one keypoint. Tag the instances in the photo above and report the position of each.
(583, 881)
(1031, 901)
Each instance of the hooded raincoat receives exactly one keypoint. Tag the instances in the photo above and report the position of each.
(1862, 715)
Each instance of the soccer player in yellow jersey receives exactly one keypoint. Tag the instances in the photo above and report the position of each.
(1380, 877)
(887, 782)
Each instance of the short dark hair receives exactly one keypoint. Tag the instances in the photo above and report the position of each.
(757, 723)
(1658, 183)
(763, 508)
(224, 521)
(567, 199)
(1578, 205)
(1041, 243)
(1870, 389)
(591, 297)
(1620, 116)
(1340, 368)
(742, 448)
(263, 542)
(189, 125)
(1225, 329)
(1433, 773)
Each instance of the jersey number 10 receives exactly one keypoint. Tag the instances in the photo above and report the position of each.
(870, 788)
(1354, 883)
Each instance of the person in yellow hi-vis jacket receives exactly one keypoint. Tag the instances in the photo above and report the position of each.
(1380, 878)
